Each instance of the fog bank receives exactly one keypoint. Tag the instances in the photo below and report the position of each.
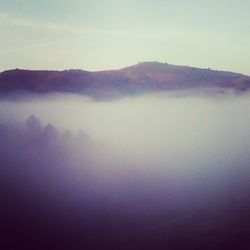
(146, 167)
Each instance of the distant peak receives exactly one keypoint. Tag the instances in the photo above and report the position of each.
(148, 65)
(151, 63)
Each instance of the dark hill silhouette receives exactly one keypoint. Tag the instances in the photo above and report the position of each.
(137, 79)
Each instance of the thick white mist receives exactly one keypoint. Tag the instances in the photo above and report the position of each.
(144, 155)
(158, 128)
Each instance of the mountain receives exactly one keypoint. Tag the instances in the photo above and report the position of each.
(137, 79)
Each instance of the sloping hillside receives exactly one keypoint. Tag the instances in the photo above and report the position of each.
(140, 78)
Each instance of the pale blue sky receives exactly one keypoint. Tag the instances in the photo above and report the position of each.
(98, 34)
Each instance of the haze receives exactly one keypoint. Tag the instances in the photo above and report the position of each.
(149, 165)
(98, 35)
(158, 131)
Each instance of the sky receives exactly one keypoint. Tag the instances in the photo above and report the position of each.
(110, 34)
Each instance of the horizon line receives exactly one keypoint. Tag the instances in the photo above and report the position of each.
(124, 67)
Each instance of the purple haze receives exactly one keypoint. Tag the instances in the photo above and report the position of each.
(151, 172)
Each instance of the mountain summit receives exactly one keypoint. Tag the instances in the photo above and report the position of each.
(137, 79)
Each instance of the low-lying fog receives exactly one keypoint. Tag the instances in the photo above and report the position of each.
(164, 161)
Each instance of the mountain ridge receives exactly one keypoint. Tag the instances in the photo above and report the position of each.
(136, 79)
(143, 63)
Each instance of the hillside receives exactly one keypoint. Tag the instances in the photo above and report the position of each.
(137, 79)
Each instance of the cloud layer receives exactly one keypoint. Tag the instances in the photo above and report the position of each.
(140, 170)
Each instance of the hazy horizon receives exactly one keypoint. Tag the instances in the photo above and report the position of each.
(94, 35)
(151, 157)
(123, 67)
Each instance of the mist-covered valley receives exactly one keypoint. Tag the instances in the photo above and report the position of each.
(165, 170)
